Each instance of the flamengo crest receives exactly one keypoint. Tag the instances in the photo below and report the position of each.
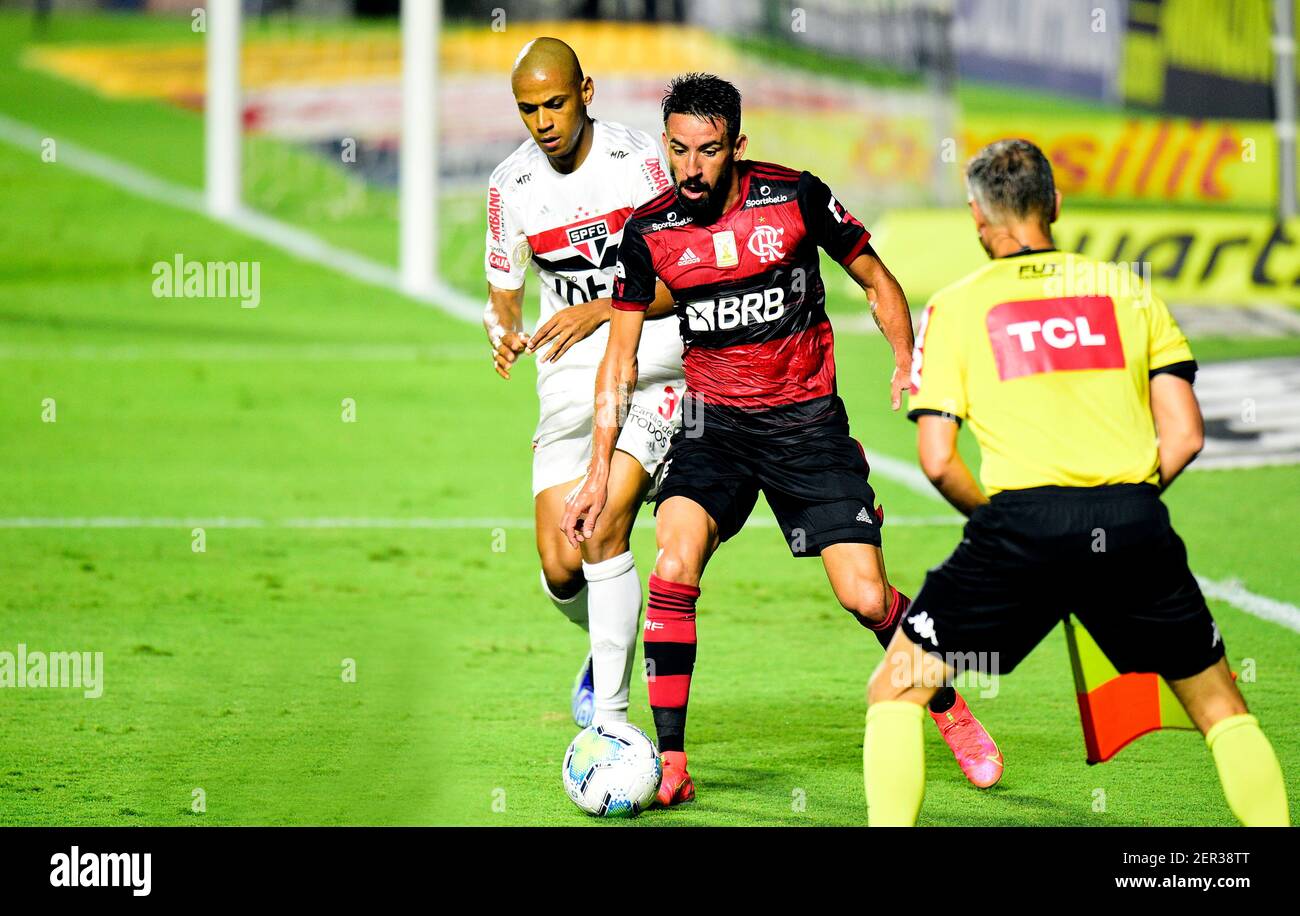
(765, 241)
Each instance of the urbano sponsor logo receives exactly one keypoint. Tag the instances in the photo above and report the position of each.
(654, 173)
(495, 223)
(729, 312)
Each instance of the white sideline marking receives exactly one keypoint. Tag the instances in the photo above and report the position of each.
(1261, 606)
(902, 472)
(348, 522)
(281, 235)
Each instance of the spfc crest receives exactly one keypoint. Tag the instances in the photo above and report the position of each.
(590, 240)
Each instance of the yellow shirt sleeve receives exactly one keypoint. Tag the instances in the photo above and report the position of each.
(938, 364)
(1167, 345)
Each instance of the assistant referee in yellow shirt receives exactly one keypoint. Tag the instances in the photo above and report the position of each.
(1067, 370)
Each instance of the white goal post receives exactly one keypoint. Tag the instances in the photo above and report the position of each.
(222, 110)
(421, 23)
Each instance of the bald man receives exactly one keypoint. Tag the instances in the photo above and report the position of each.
(559, 201)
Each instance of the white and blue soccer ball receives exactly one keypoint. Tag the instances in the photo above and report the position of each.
(612, 770)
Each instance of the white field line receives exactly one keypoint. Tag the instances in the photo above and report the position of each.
(288, 238)
(1234, 593)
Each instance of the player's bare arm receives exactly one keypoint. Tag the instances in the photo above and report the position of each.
(503, 319)
(891, 314)
(578, 322)
(936, 443)
(1179, 425)
(615, 382)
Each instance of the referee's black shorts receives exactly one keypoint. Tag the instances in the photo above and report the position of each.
(1107, 554)
(801, 456)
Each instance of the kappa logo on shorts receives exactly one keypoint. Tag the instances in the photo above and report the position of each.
(924, 626)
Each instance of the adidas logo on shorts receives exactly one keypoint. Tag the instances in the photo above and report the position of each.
(865, 516)
(688, 257)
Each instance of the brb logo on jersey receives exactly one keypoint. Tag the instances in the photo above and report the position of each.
(1054, 335)
(735, 311)
(590, 240)
(765, 241)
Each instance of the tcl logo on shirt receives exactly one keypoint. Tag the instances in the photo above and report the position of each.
(1051, 335)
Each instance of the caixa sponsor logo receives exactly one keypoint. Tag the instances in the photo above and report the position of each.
(729, 312)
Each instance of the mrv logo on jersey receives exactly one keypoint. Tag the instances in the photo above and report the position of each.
(729, 312)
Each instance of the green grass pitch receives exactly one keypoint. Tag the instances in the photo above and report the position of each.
(223, 668)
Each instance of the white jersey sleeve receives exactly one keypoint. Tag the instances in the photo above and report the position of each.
(508, 252)
(652, 166)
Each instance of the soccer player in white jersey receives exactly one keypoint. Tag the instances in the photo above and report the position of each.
(560, 201)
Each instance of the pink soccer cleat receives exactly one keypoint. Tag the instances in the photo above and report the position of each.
(976, 752)
(676, 786)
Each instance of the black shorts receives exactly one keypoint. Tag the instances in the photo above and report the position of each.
(1107, 555)
(801, 456)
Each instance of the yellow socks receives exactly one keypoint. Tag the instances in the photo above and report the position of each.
(1248, 769)
(893, 763)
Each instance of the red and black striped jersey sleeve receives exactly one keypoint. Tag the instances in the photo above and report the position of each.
(634, 275)
(829, 224)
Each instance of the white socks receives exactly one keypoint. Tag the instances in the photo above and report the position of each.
(574, 608)
(614, 591)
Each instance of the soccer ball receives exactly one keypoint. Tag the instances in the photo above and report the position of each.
(612, 770)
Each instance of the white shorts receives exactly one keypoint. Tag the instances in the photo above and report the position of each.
(562, 442)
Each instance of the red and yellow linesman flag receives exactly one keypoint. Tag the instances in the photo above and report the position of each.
(1115, 708)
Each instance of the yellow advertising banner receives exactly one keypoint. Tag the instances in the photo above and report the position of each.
(1191, 257)
(1123, 158)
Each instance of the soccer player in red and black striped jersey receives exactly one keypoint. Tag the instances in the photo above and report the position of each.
(736, 243)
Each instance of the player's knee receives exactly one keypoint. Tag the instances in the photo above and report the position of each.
(607, 542)
(675, 567)
(868, 600)
(1209, 711)
(563, 575)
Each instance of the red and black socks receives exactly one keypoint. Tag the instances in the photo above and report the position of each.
(670, 657)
